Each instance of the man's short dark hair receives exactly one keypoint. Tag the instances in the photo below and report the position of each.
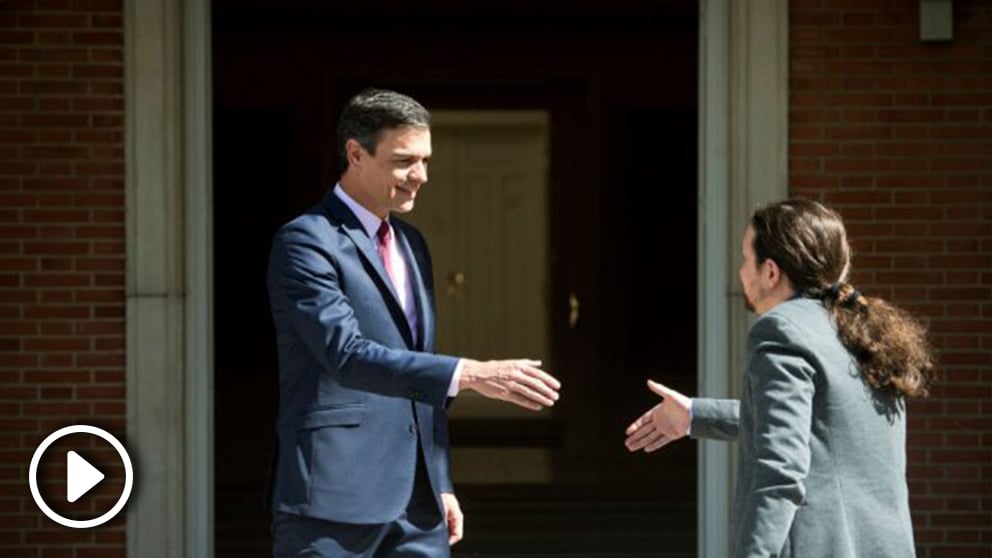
(368, 113)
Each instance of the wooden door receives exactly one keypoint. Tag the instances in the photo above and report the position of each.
(484, 213)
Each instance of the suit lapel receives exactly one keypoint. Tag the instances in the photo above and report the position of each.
(352, 228)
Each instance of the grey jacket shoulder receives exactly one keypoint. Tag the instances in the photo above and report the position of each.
(801, 322)
(790, 324)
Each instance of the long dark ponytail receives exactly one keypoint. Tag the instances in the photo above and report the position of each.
(809, 243)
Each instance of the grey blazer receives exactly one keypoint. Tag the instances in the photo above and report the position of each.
(822, 462)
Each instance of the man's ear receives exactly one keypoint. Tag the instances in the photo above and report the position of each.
(355, 153)
(777, 278)
(773, 273)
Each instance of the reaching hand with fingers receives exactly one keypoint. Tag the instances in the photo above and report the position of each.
(664, 423)
(517, 381)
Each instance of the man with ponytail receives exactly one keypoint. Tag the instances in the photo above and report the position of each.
(821, 422)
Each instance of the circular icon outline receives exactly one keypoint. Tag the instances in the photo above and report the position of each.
(80, 429)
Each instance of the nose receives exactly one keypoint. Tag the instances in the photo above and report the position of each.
(419, 172)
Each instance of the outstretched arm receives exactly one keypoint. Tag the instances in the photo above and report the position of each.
(678, 416)
(305, 288)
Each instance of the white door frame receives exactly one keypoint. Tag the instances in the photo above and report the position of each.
(743, 109)
(169, 277)
(743, 143)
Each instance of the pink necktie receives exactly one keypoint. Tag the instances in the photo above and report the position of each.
(383, 236)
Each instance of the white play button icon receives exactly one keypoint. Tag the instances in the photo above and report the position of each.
(80, 476)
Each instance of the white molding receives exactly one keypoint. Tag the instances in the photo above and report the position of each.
(759, 138)
(743, 153)
(199, 394)
(758, 110)
(154, 277)
(715, 490)
(169, 277)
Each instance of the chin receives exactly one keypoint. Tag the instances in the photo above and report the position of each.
(749, 305)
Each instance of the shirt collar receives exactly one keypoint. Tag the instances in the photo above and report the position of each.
(370, 221)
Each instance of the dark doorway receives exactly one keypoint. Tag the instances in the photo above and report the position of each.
(618, 80)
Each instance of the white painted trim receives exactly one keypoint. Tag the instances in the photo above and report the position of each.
(198, 226)
(715, 490)
(743, 151)
(759, 138)
(169, 277)
(155, 263)
(759, 107)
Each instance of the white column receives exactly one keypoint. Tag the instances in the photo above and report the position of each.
(714, 472)
(198, 226)
(759, 138)
(155, 273)
(743, 161)
(169, 370)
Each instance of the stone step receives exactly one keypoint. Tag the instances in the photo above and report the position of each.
(580, 521)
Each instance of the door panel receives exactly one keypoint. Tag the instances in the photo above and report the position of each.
(484, 213)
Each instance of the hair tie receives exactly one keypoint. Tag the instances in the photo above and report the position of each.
(853, 298)
(833, 291)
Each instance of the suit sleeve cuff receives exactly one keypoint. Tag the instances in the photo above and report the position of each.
(453, 386)
(688, 430)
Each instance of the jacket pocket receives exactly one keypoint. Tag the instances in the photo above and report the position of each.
(342, 415)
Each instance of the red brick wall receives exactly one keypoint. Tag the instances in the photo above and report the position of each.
(61, 250)
(898, 134)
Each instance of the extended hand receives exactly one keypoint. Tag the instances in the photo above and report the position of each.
(517, 381)
(453, 517)
(665, 422)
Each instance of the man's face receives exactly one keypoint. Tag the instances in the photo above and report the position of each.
(390, 179)
(752, 275)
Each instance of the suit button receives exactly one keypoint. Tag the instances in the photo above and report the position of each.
(413, 429)
(417, 395)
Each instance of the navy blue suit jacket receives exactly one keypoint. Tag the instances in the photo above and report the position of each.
(358, 390)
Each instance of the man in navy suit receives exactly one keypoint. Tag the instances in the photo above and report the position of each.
(362, 462)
